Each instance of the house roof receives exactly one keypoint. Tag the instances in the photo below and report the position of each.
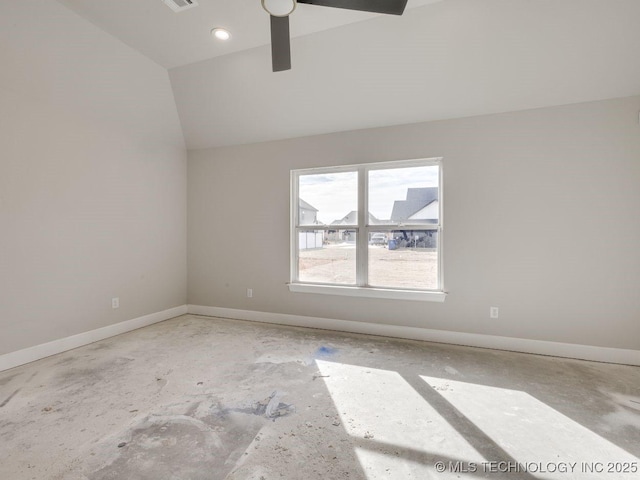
(417, 199)
(306, 206)
(351, 218)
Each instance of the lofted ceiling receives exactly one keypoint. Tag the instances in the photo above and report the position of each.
(351, 70)
(173, 39)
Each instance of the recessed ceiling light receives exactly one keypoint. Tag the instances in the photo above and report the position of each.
(221, 33)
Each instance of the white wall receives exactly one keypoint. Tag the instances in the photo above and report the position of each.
(430, 212)
(556, 246)
(310, 240)
(92, 179)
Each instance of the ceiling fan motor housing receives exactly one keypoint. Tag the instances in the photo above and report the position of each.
(279, 8)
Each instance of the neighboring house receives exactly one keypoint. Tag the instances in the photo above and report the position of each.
(308, 215)
(346, 235)
(421, 206)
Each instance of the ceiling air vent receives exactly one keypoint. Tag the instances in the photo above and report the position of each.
(180, 5)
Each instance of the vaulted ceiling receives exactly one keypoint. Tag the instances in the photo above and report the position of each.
(351, 70)
(173, 39)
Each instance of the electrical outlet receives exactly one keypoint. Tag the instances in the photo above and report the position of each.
(249, 292)
(494, 312)
(115, 302)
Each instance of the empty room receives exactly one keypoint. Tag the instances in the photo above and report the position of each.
(319, 239)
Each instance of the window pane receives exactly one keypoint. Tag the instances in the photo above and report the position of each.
(327, 257)
(328, 198)
(409, 260)
(404, 195)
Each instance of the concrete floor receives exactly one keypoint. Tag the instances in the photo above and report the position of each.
(205, 398)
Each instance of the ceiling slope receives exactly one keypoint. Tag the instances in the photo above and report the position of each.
(174, 39)
(450, 59)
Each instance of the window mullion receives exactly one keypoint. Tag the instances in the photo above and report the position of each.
(361, 243)
(440, 227)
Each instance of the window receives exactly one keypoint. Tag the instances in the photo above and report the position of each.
(392, 251)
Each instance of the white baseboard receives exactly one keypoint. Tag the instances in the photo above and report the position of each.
(31, 354)
(540, 347)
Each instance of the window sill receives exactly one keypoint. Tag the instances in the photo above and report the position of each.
(368, 292)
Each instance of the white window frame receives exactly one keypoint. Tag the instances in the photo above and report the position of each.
(361, 289)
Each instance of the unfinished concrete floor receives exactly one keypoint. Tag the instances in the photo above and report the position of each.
(207, 398)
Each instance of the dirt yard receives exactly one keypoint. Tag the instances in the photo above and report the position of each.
(415, 268)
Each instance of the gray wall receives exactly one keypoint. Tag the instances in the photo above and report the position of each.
(92, 179)
(541, 219)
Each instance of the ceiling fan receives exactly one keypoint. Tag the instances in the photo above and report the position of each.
(281, 9)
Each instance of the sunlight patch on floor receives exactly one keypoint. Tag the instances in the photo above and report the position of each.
(548, 443)
(397, 433)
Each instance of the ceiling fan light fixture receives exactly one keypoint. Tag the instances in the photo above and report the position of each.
(279, 8)
(279, 11)
(221, 33)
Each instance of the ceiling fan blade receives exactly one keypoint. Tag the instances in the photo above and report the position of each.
(393, 7)
(280, 44)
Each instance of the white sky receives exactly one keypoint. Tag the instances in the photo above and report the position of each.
(336, 194)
